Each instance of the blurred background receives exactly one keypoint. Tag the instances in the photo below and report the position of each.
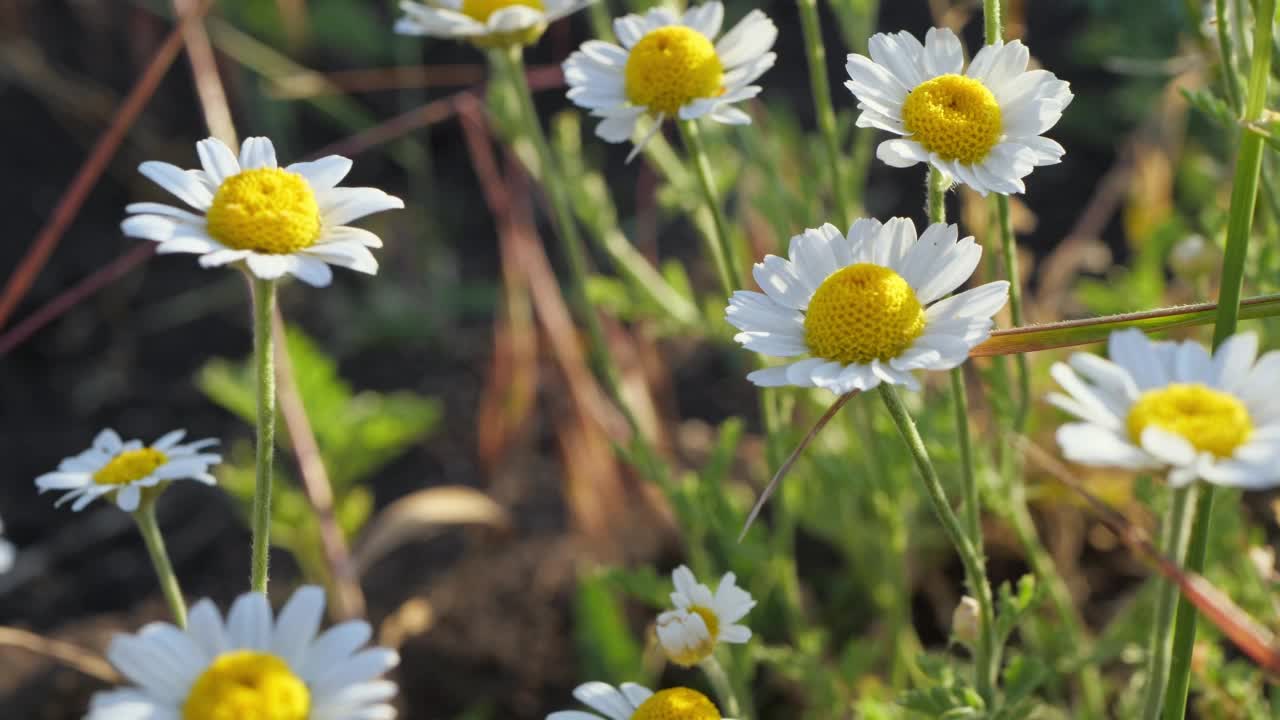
(468, 448)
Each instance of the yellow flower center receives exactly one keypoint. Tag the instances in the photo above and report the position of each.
(861, 313)
(954, 116)
(247, 685)
(1211, 420)
(671, 66)
(130, 466)
(679, 703)
(709, 619)
(268, 210)
(480, 10)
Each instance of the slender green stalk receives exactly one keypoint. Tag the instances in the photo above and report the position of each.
(1231, 79)
(992, 22)
(722, 686)
(1009, 251)
(264, 303)
(722, 249)
(1244, 197)
(986, 660)
(936, 194)
(1173, 543)
(820, 84)
(145, 517)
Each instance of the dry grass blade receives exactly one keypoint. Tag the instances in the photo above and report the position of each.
(791, 460)
(1254, 639)
(421, 514)
(69, 204)
(66, 653)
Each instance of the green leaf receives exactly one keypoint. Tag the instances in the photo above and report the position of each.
(603, 637)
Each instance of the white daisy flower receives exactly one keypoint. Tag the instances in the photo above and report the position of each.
(273, 221)
(1173, 406)
(8, 553)
(689, 633)
(630, 701)
(485, 23)
(981, 126)
(669, 67)
(127, 469)
(866, 308)
(250, 667)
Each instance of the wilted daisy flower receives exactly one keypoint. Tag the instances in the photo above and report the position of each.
(125, 469)
(668, 66)
(690, 632)
(485, 23)
(630, 701)
(7, 552)
(866, 308)
(275, 221)
(980, 126)
(252, 667)
(1173, 406)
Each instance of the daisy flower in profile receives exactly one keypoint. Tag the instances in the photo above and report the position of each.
(630, 701)
(485, 23)
(249, 211)
(250, 667)
(1173, 406)
(866, 308)
(981, 126)
(671, 66)
(7, 552)
(125, 470)
(689, 633)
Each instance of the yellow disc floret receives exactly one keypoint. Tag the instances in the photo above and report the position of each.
(480, 10)
(954, 116)
(861, 313)
(268, 210)
(1211, 420)
(672, 66)
(709, 619)
(677, 704)
(130, 466)
(247, 685)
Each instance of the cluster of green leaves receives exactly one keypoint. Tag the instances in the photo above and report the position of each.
(358, 433)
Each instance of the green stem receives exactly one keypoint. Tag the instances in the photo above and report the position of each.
(721, 247)
(1230, 77)
(820, 85)
(145, 517)
(723, 687)
(986, 660)
(1244, 197)
(1173, 543)
(264, 303)
(936, 195)
(1009, 251)
(992, 22)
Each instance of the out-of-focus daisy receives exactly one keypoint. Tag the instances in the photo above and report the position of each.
(866, 308)
(251, 667)
(689, 633)
(981, 126)
(671, 66)
(275, 221)
(7, 552)
(485, 23)
(630, 701)
(127, 469)
(1173, 406)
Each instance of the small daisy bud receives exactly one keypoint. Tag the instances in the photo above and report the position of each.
(964, 621)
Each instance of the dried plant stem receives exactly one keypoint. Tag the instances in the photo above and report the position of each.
(986, 660)
(264, 303)
(145, 517)
(721, 245)
(1244, 197)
